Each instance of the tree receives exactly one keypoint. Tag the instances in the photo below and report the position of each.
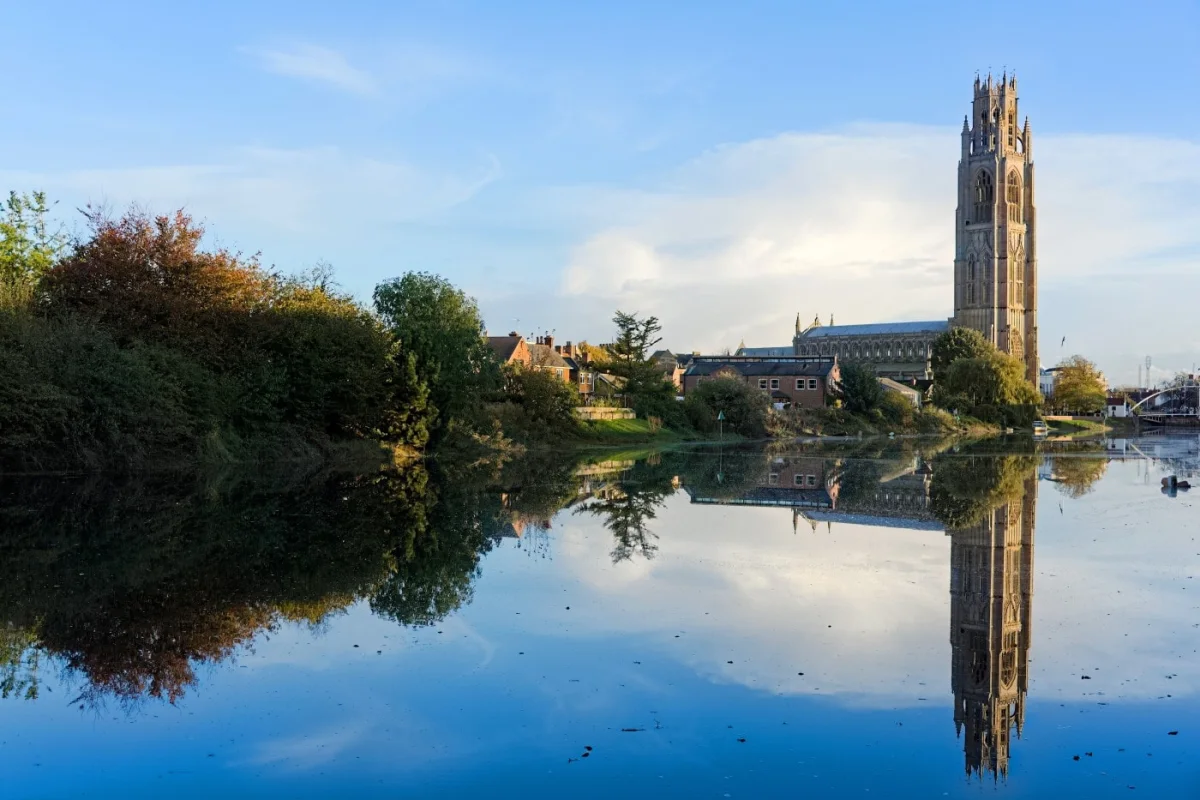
(28, 246)
(442, 329)
(995, 379)
(745, 407)
(634, 338)
(859, 389)
(1079, 386)
(410, 416)
(954, 344)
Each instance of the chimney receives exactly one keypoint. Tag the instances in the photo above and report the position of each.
(513, 334)
(549, 340)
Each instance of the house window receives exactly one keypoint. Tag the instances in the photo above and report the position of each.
(773, 478)
(799, 383)
(762, 383)
(811, 480)
(774, 383)
(798, 480)
(812, 383)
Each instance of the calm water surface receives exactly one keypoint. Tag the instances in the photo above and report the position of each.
(887, 619)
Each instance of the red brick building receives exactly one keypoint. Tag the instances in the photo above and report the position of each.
(800, 381)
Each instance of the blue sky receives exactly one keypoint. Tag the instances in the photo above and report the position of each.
(722, 166)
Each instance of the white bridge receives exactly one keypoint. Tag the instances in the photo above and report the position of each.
(1177, 405)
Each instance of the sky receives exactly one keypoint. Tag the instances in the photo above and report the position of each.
(723, 167)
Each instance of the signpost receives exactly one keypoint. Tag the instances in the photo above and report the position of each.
(720, 454)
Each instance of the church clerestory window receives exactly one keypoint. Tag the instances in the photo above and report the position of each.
(984, 197)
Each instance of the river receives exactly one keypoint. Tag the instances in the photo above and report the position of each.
(881, 618)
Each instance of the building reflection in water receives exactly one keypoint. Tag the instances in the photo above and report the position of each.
(991, 570)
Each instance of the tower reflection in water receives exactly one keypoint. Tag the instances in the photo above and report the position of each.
(987, 506)
(991, 598)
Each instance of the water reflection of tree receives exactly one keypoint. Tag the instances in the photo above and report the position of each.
(628, 504)
(966, 487)
(131, 585)
(1075, 477)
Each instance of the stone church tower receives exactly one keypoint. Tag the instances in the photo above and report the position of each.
(995, 256)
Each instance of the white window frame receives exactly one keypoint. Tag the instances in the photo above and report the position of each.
(762, 383)
(810, 480)
(773, 478)
(799, 384)
(812, 384)
(798, 480)
(774, 383)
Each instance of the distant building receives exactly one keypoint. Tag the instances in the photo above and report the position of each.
(1047, 377)
(1116, 406)
(798, 381)
(669, 363)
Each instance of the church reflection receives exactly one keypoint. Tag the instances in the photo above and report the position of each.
(987, 506)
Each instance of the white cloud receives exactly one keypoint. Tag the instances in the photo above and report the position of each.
(859, 223)
(315, 63)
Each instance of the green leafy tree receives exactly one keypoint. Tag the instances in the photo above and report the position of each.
(441, 327)
(745, 407)
(1079, 386)
(28, 245)
(993, 380)
(859, 389)
(954, 344)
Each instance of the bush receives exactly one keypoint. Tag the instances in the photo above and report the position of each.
(537, 406)
(897, 411)
(745, 408)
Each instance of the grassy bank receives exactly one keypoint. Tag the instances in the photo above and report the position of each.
(628, 431)
(1078, 427)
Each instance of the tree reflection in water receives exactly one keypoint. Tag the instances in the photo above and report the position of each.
(132, 584)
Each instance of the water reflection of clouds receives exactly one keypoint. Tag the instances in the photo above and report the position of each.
(861, 611)
(864, 611)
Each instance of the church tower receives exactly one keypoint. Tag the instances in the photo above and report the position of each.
(995, 235)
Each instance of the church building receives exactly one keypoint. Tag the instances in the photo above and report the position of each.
(995, 256)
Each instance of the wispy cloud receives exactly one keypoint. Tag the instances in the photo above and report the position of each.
(315, 63)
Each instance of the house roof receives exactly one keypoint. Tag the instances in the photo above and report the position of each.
(878, 329)
(767, 351)
(895, 386)
(542, 355)
(658, 355)
(504, 346)
(768, 366)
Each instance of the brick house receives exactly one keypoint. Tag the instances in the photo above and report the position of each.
(798, 381)
(510, 349)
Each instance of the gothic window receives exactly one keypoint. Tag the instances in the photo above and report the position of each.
(1012, 194)
(984, 196)
(971, 275)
